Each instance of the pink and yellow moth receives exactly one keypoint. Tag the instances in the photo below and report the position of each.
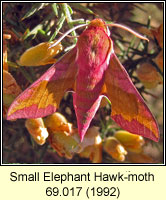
(92, 71)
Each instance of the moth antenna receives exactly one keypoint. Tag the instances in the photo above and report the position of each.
(129, 30)
(69, 36)
(65, 34)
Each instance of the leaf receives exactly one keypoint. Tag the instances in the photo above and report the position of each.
(55, 8)
(68, 12)
(33, 32)
(78, 6)
(59, 26)
(36, 7)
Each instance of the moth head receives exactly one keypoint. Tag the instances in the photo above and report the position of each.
(99, 23)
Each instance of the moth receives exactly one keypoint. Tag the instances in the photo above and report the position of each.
(91, 70)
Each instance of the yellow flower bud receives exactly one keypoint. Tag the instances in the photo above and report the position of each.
(86, 153)
(148, 75)
(92, 137)
(91, 147)
(40, 54)
(37, 129)
(115, 149)
(130, 141)
(93, 152)
(61, 135)
(64, 143)
(57, 122)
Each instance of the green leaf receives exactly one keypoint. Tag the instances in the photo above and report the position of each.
(82, 8)
(67, 12)
(26, 74)
(36, 7)
(34, 31)
(55, 9)
(59, 26)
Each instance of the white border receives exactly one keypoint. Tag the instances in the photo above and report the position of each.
(92, 163)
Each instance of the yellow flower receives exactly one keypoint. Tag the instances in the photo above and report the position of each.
(37, 129)
(148, 75)
(94, 153)
(130, 141)
(115, 149)
(57, 122)
(40, 54)
(10, 90)
(91, 147)
(61, 137)
(64, 143)
(5, 65)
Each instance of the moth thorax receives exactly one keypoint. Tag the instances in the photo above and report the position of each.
(98, 23)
